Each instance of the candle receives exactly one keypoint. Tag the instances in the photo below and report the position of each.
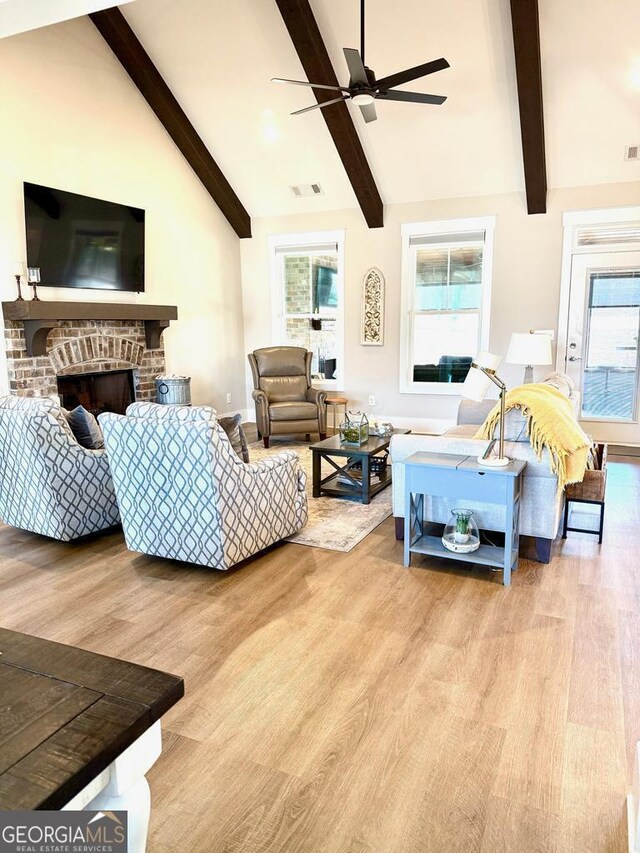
(33, 275)
(19, 269)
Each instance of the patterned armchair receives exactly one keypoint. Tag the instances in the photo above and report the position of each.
(186, 495)
(49, 484)
(285, 401)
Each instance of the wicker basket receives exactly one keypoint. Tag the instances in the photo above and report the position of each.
(592, 488)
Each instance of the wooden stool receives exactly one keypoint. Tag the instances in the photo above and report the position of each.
(590, 491)
(335, 400)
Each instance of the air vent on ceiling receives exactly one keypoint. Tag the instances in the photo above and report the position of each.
(632, 152)
(307, 190)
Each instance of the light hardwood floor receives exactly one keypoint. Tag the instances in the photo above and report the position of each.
(338, 703)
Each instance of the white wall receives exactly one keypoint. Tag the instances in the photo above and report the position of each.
(526, 285)
(71, 118)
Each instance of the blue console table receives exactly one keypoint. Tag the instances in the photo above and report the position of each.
(462, 478)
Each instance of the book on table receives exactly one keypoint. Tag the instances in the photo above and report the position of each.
(356, 475)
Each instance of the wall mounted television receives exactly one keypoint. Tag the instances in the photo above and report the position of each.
(83, 242)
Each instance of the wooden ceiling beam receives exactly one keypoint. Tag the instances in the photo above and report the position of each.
(310, 47)
(526, 43)
(117, 33)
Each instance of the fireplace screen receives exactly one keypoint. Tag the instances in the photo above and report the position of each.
(98, 392)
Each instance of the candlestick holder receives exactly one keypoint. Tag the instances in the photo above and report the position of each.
(33, 280)
(19, 297)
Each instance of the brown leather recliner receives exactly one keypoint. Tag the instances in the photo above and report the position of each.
(285, 401)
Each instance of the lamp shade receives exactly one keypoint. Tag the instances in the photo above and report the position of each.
(487, 360)
(529, 348)
(477, 383)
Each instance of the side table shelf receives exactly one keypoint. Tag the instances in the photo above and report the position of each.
(462, 478)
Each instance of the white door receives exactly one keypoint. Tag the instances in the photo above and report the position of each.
(602, 343)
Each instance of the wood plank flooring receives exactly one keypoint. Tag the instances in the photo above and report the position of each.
(339, 703)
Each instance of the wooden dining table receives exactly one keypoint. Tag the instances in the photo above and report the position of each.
(79, 730)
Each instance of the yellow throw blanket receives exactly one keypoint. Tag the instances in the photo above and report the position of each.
(551, 423)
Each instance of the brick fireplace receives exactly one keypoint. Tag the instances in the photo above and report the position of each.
(43, 343)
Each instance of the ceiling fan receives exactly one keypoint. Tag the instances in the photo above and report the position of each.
(364, 89)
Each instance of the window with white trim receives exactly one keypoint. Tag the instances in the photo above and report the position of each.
(446, 298)
(307, 296)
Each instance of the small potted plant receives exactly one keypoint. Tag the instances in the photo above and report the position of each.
(461, 533)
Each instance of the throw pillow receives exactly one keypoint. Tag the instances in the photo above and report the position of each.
(515, 426)
(562, 382)
(85, 428)
(233, 428)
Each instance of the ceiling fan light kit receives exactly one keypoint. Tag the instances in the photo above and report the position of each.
(363, 88)
(363, 99)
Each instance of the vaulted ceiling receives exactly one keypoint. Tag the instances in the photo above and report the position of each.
(591, 76)
(19, 16)
(218, 57)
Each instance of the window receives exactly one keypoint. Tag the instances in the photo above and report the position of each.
(446, 291)
(610, 377)
(307, 291)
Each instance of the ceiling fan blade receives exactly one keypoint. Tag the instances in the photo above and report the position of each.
(412, 74)
(412, 97)
(369, 112)
(313, 85)
(357, 70)
(318, 106)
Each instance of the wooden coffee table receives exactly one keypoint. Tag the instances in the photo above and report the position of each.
(356, 469)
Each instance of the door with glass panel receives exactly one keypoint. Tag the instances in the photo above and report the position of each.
(602, 343)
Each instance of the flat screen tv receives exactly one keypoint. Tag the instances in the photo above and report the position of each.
(78, 241)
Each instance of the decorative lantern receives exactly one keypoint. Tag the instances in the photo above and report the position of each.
(354, 429)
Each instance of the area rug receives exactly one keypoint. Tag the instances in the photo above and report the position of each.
(337, 524)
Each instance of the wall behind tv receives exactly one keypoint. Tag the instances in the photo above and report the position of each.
(71, 118)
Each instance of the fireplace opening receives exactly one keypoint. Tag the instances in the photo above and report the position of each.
(110, 391)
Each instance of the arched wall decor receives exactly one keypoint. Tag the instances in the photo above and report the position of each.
(373, 308)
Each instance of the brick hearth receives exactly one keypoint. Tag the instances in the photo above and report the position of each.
(82, 346)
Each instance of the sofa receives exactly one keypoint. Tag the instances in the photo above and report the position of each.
(49, 483)
(184, 494)
(285, 401)
(450, 368)
(542, 503)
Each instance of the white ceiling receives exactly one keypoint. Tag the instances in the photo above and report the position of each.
(591, 82)
(218, 57)
(18, 16)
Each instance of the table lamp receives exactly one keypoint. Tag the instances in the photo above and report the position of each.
(476, 384)
(529, 348)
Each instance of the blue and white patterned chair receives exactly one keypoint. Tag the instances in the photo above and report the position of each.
(184, 494)
(50, 484)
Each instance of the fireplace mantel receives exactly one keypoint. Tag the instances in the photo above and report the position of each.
(39, 317)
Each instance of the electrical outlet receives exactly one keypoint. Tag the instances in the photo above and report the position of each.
(228, 398)
(372, 400)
